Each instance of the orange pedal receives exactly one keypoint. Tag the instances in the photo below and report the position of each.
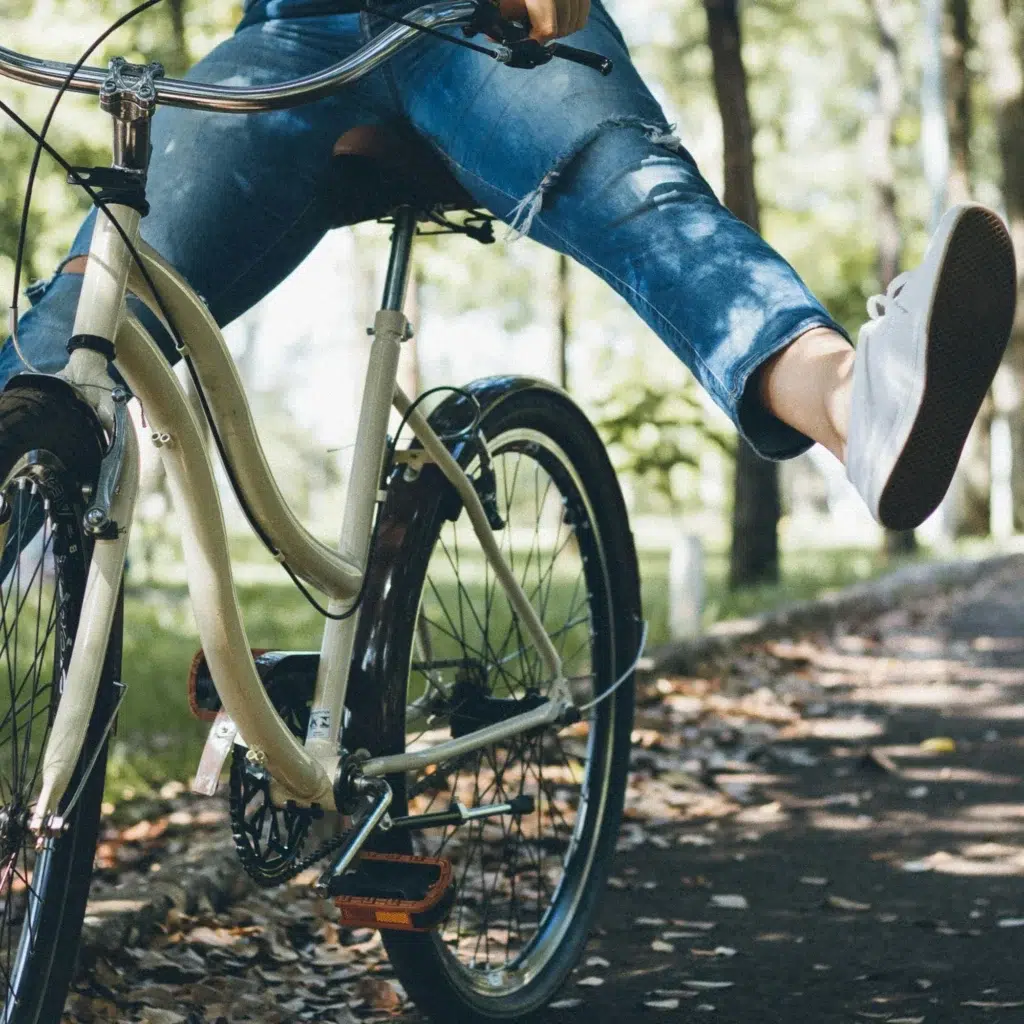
(395, 891)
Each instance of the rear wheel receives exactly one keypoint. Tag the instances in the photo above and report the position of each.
(49, 448)
(452, 656)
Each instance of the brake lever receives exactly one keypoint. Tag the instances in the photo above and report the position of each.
(523, 52)
(598, 61)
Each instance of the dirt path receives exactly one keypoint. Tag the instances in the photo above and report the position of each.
(846, 846)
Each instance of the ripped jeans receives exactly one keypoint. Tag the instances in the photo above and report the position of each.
(584, 164)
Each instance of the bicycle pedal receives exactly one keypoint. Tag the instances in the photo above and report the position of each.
(393, 891)
(291, 673)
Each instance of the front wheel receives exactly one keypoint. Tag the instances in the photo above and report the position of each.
(50, 447)
(450, 654)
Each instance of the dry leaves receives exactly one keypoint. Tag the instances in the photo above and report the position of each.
(842, 903)
(730, 901)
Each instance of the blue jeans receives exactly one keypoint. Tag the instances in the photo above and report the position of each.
(584, 164)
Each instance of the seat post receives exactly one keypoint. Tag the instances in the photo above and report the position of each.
(406, 220)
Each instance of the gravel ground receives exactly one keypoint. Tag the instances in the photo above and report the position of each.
(822, 828)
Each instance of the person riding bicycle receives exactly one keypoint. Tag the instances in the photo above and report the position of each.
(588, 166)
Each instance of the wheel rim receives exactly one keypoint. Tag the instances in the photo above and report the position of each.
(519, 880)
(32, 627)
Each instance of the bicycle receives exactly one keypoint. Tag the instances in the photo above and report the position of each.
(466, 723)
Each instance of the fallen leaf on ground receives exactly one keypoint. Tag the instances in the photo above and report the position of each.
(662, 1004)
(695, 840)
(660, 946)
(730, 901)
(565, 1004)
(378, 993)
(204, 936)
(598, 961)
(152, 1016)
(842, 903)
(983, 1004)
(592, 981)
(918, 866)
(708, 985)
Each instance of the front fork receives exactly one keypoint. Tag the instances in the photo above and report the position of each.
(129, 96)
(108, 517)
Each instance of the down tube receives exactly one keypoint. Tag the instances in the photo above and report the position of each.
(211, 585)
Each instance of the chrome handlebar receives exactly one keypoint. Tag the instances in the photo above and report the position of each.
(236, 99)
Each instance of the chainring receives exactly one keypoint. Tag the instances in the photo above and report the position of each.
(269, 839)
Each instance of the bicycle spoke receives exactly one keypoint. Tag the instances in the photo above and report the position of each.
(32, 598)
(509, 869)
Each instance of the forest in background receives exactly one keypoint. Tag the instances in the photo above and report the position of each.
(839, 130)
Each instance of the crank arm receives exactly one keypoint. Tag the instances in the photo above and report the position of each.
(459, 814)
(376, 795)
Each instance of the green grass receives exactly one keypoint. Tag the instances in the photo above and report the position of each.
(158, 739)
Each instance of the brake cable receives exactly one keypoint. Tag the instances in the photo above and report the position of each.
(502, 55)
(515, 47)
(517, 50)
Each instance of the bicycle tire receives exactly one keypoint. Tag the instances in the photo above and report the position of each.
(52, 440)
(533, 422)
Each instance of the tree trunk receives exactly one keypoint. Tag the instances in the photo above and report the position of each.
(181, 59)
(958, 99)
(974, 478)
(879, 133)
(563, 303)
(754, 556)
(1001, 34)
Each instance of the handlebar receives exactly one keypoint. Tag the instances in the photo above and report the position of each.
(235, 99)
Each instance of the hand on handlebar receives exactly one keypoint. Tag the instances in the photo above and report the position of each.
(510, 22)
(549, 19)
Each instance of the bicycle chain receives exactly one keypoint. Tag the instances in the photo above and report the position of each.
(250, 860)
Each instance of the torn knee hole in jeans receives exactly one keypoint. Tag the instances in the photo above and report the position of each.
(522, 216)
(36, 290)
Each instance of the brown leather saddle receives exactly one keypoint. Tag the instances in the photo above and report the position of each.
(383, 167)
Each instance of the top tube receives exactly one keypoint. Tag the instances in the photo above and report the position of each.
(233, 99)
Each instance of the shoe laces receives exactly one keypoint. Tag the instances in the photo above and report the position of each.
(878, 305)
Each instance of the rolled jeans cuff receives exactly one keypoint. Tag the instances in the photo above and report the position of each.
(762, 430)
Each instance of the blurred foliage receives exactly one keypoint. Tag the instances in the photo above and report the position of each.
(157, 737)
(655, 433)
(811, 87)
(61, 30)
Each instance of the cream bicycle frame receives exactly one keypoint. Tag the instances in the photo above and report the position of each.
(304, 772)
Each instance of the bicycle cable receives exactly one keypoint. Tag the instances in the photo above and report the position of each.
(371, 8)
(40, 140)
(389, 466)
(42, 145)
(176, 337)
(622, 679)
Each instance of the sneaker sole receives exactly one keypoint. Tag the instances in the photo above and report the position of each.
(968, 331)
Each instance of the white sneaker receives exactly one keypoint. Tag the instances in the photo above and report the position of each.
(924, 363)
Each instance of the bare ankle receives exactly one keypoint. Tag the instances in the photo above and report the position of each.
(807, 385)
